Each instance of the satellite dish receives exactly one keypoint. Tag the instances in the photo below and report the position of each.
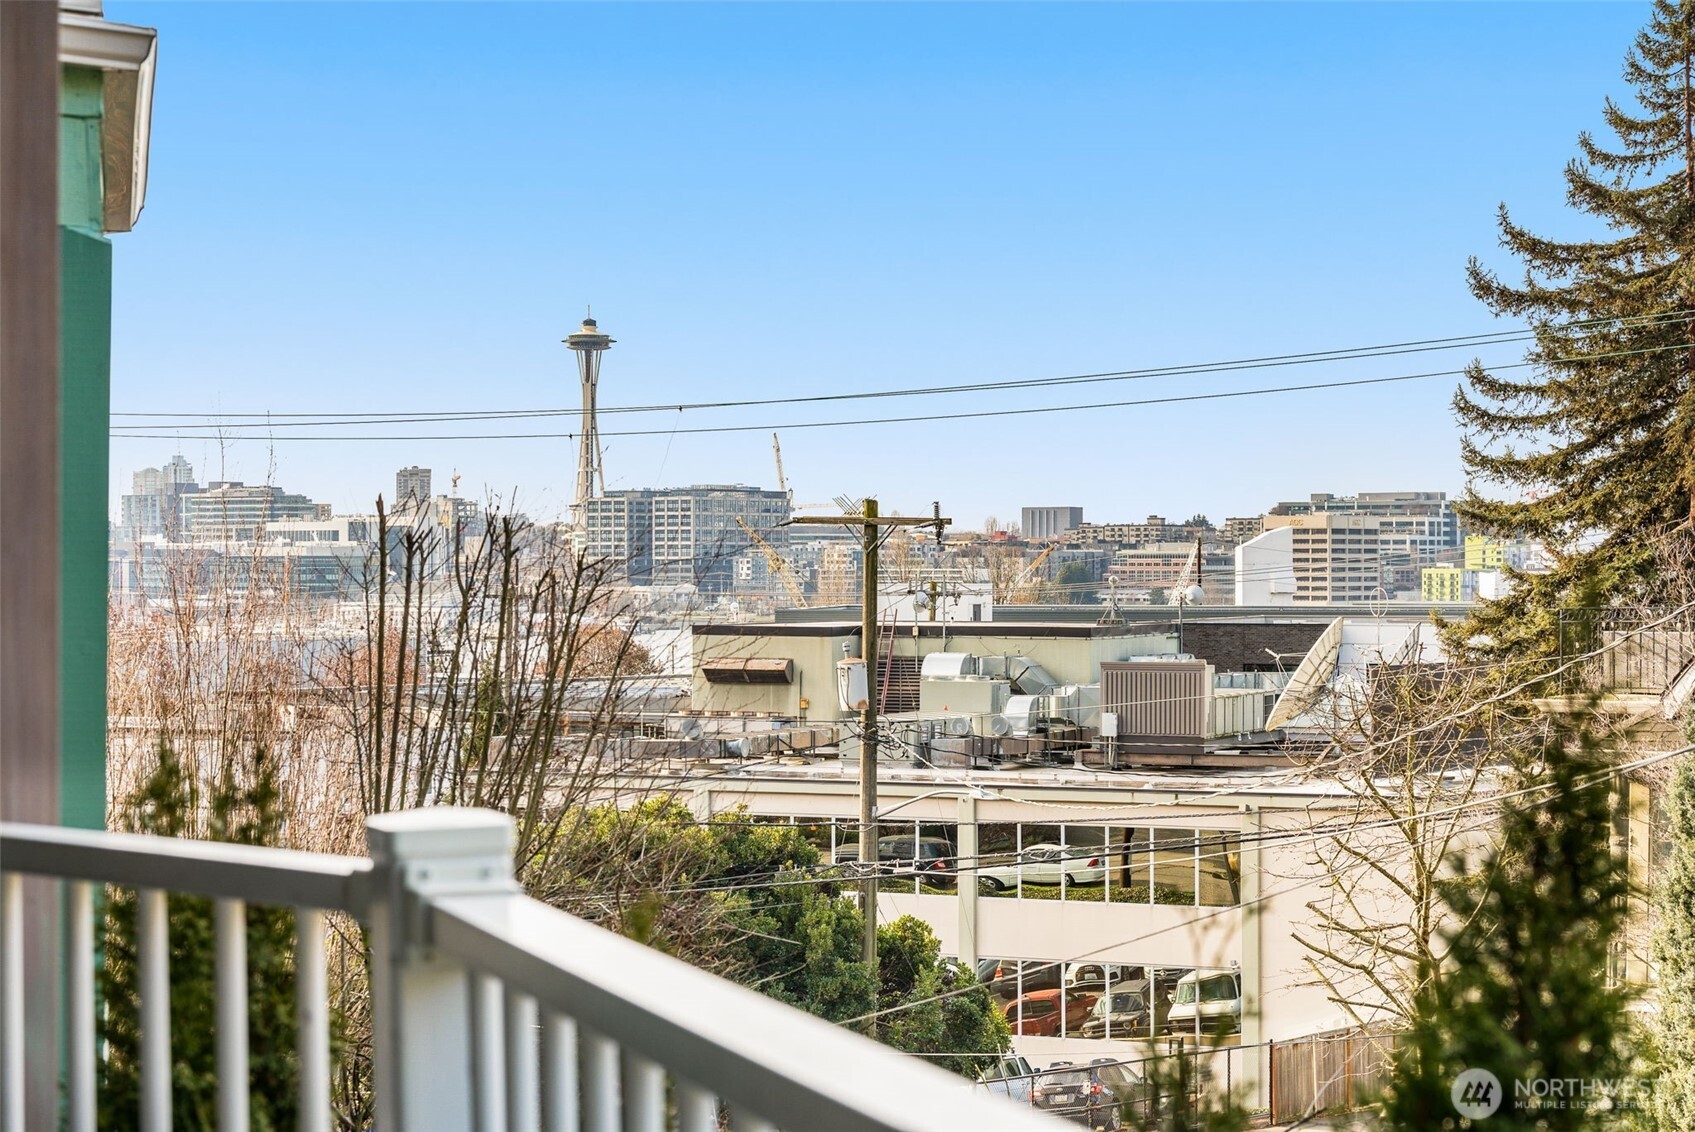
(1000, 726)
(921, 600)
(692, 729)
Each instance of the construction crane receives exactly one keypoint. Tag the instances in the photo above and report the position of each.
(783, 481)
(1188, 591)
(1029, 577)
(779, 565)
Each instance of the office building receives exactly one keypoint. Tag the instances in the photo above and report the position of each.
(1413, 526)
(1050, 522)
(231, 511)
(1328, 558)
(682, 536)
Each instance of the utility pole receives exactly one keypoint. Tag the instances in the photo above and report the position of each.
(868, 520)
(868, 743)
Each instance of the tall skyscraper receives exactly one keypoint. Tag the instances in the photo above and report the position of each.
(154, 505)
(411, 487)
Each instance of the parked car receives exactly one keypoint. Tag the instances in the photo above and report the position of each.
(1122, 1012)
(1120, 1077)
(1041, 1012)
(1103, 975)
(1001, 976)
(1011, 1077)
(1211, 1003)
(1043, 864)
(1078, 1094)
(929, 857)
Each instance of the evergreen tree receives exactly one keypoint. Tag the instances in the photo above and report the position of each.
(961, 1027)
(1674, 959)
(1599, 437)
(1523, 991)
(250, 813)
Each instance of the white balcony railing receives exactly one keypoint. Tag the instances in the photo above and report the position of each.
(490, 1010)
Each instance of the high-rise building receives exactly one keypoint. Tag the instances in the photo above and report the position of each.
(154, 505)
(1413, 526)
(411, 487)
(682, 536)
(1050, 522)
(1335, 557)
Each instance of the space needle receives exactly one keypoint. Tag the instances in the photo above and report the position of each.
(589, 343)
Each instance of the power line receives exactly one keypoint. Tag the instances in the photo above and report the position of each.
(915, 419)
(1502, 337)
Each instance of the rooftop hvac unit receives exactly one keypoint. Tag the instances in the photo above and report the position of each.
(1021, 714)
(973, 695)
(948, 664)
(1159, 699)
(1027, 677)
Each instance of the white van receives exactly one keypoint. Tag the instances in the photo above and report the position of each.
(1213, 999)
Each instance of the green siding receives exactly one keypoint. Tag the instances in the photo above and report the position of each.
(81, 103)
(85, 404)
(84, 417)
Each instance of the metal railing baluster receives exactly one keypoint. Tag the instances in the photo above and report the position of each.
(560, 1104)
(230, 967)
(625, 1033)
(522, 1088)
(153, 960)
(12, 1002)
(312, 1019)
(488, 1049)
(697, 1109)
(644, 1094)
(79, 1008)
(598, 1057)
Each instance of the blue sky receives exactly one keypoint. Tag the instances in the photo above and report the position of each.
(393, 207)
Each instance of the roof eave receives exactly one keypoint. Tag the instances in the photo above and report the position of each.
(127, 54)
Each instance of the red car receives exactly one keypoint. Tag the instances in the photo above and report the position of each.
(1039, 1012)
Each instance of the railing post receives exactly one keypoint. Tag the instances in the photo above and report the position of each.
(421, 1000)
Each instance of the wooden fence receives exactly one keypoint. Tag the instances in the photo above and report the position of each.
(1339, 1071)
